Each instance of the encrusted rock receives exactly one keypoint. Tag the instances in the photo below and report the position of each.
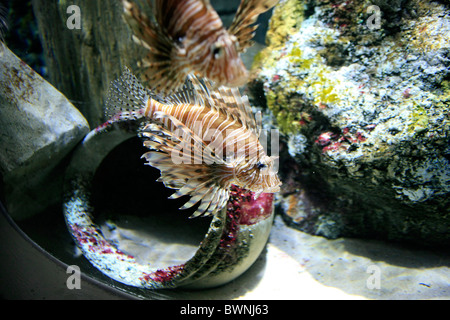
(38, 128)
(362, 94)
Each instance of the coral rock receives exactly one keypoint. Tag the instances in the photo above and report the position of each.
(38, 128)
(363, 102)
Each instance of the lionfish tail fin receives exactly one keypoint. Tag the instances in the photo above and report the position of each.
(156, 67)
(242, 25)
(126, 98)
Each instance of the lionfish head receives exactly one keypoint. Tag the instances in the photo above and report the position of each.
(223, 62)
(261, 176)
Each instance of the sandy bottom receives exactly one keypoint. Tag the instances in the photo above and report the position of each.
(296, 265)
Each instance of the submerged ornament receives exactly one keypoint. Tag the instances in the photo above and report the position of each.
(188, 37)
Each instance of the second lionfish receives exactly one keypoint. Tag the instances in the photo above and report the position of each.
(202, 139)
(187, 36)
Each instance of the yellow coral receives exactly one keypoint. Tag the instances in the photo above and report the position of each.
(286, 16)
(419, 120)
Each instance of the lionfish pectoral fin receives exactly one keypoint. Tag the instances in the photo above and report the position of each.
(204, 189)
(213, 202)
(161, 145)
(198, 192)
(219, 201)
(193, 178)
(185, 190)
(206, 202)
(247, 14)
(257, 194)
(193, 201)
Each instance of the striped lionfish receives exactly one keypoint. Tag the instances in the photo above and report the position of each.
(177, 129)
(188, 37)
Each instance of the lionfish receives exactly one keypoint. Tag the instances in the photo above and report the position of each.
(187, 36)
(177, 130)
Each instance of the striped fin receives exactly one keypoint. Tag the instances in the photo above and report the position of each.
(195, 179)
(242, 25)
(191, 180)
(187, 95)
(157, 69)
(228, 101)
(232, 99)
(3, 25)
(162, 161)
(213, 199)
(215, 202)
(206, 201)
(169, 143)
(202, 89)
(158, 133)
(168, 13)
(199, 193)
(205, 150)
(147, 32)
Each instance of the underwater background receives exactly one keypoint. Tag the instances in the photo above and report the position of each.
(359, 91)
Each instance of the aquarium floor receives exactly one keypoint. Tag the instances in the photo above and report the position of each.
(296, 265)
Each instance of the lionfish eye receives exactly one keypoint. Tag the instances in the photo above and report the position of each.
(260, 165)
(179, 41)
(217, 51)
